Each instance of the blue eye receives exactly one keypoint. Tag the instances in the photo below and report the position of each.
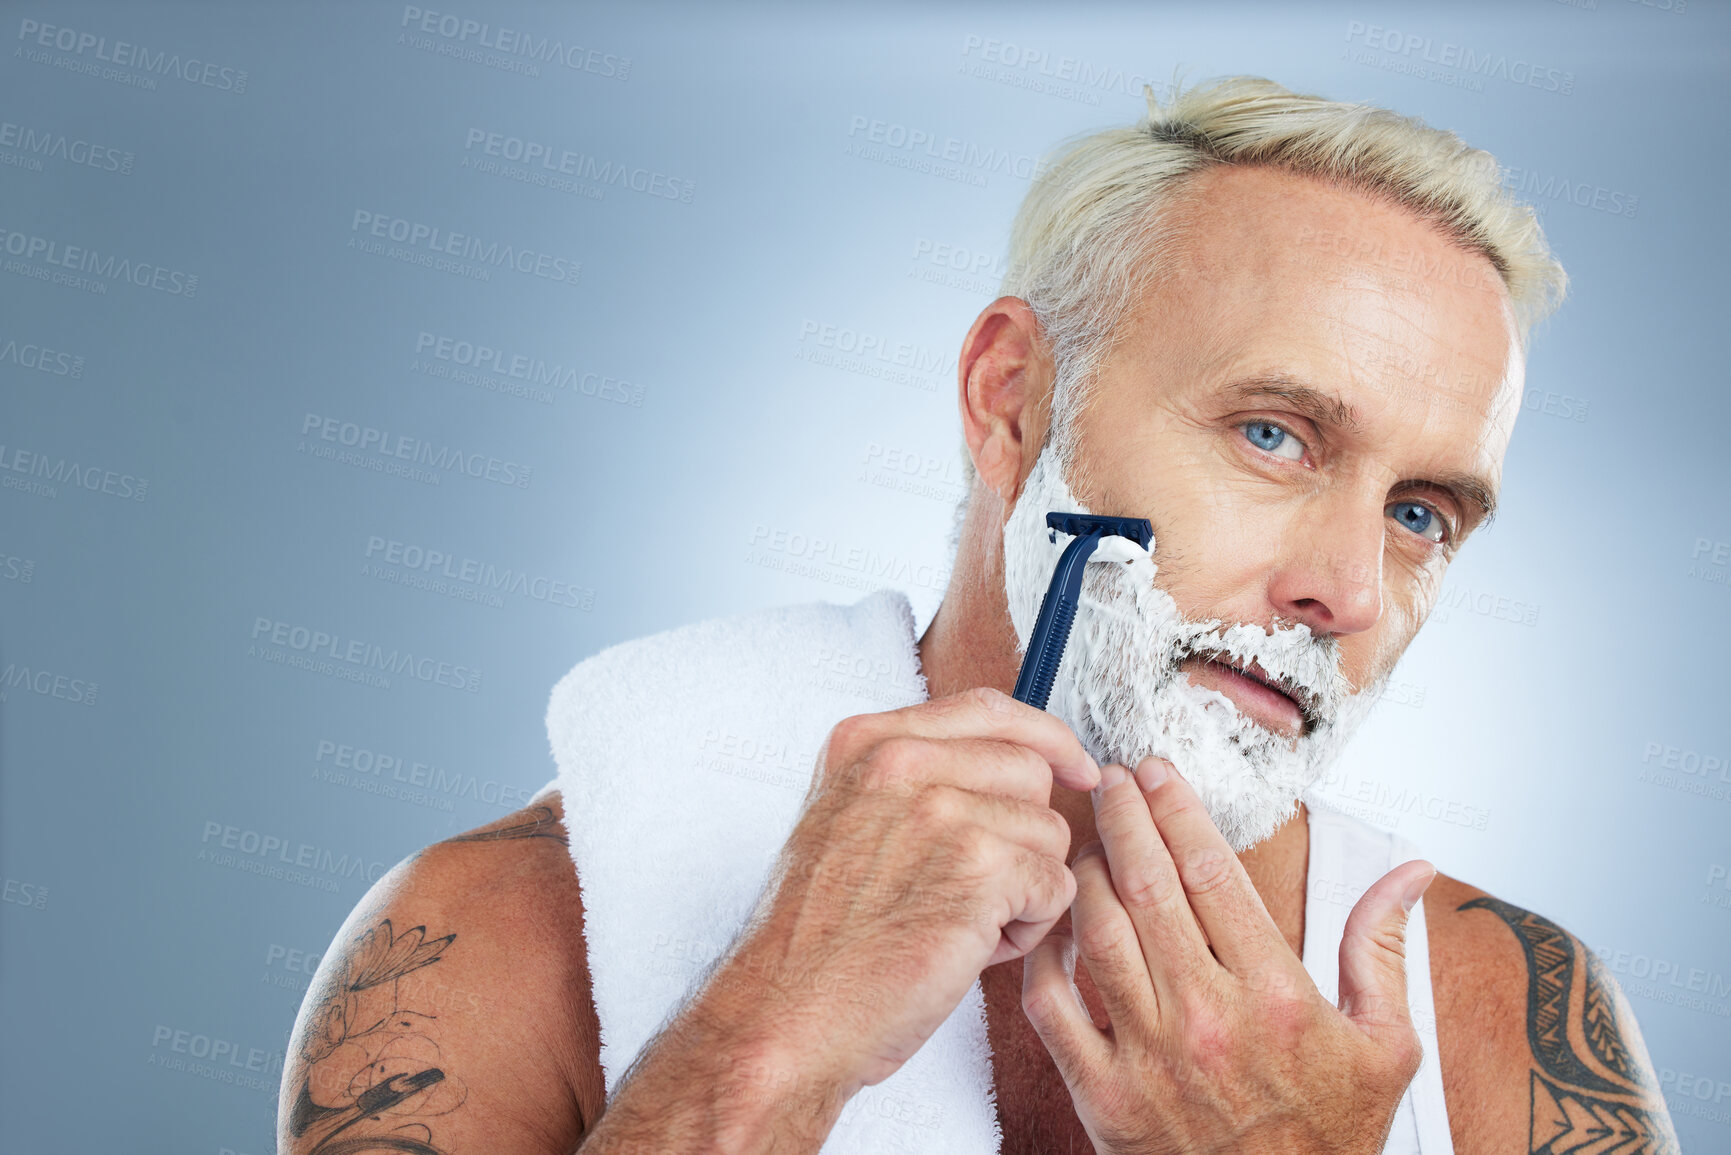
(1271, 438)
(1420, 519)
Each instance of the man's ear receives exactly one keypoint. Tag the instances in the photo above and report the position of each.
(1005, 382)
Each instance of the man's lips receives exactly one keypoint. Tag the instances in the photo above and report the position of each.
(1263, 697)
(1256, 673)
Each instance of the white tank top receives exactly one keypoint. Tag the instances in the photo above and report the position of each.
(1346, 857)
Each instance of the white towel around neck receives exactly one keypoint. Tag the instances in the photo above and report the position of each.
(683, 759)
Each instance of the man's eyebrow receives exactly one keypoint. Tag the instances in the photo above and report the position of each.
(1468, 488)
(1321, 407)
(1327, 408)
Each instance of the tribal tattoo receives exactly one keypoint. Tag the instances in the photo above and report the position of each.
(1588, 1090)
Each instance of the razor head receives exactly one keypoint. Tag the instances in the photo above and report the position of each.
(1137, 529)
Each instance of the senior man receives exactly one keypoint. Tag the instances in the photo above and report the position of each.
(804, 880)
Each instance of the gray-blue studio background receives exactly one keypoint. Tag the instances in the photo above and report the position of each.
(253, 412)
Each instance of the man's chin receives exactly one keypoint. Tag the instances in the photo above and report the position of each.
(1249, 776)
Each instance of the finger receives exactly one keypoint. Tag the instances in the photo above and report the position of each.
(1146, 882)
(984, 765)
(988, 862)
(1032, 893)
(1108, 945)
(1039, 828)
(985, 712)
(1055, 1008)
(1233, 916)
(1373, 949)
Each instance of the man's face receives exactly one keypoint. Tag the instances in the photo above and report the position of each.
(1311, 409)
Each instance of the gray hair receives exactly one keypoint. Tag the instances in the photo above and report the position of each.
(1086, 243)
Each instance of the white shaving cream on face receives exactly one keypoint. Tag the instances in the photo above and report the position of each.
(1120, 689)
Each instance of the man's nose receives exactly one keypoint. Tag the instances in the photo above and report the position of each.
(1330, 574)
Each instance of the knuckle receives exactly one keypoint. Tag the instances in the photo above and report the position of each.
(1207, 1038)
(972, 849)
(850, 734)
(1048, 871)
(1102, 944)
(1207, 870)
(1060, 830)
(893, 763)
(1284, 1017)
(987, 699)
(1406, 1054)
(1142, 887)
(1389, 942)
(981, 849)
(1381, 1009)
(1039, 1005)
(1051, 829)
(939, 808)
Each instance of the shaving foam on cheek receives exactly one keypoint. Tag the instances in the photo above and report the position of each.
(1121, 690)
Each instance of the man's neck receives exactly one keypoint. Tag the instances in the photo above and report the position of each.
(958, 651)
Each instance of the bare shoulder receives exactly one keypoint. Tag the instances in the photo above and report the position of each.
(452, 1011)
(1540, 1050)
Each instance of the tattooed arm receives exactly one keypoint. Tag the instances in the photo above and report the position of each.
(1540, 1050)
(452, 1012)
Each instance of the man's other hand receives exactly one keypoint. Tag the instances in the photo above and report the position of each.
(1218, 1039)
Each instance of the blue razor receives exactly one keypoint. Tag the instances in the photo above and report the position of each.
(1058, 607)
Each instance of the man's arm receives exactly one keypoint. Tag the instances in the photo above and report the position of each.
(452, 1012)
(1540, 1049)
